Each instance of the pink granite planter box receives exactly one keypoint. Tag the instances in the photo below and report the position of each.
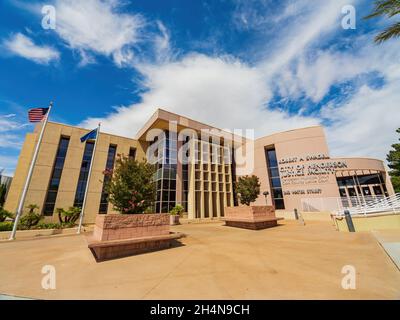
(251, 217)
(127, 226)
(118, 235)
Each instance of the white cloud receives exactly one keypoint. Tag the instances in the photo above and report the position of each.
(221, 91)
(365, 125)
(8, 164)
(10, 132)
(226, 92)
(23, 46)
(95, 26)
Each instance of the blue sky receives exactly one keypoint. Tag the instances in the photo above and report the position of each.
(267, 64)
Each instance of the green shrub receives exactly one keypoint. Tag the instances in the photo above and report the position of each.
(31, 218)
(248, 187)
(50, 225)
(4, 214)
(68, 216)
(177, 210)
(6, 226)
(130, 186)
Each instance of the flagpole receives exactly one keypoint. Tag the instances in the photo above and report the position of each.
(28, 178)
(88, 180)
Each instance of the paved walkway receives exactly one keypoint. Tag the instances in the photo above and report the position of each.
(7, 297)
(215, 262)
(390, 241)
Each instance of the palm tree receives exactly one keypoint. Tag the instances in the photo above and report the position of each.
(387, 8)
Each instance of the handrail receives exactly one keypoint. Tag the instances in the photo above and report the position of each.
(355, 205)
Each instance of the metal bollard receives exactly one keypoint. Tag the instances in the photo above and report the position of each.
(296, 214)
(349, 221)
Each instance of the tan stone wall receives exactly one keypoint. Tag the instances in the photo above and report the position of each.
(21, 172)
(43, 169)
(300, 142)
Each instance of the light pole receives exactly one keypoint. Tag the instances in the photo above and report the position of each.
(266, 193)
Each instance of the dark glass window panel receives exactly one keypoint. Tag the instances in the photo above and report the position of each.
(59, 164)
(54, 183)
(112, 150)
(83, 176)
(56, 173)
(48, 209)
(377, 190)
(366, 191)
(279, 204)
(165, 195)
(165, 184)
(172, 185)
(51, 196)
(352, 192)
(164, 207)
(158, 207)
(103, 207)
(272, 161)
(342, 192)
(369, 179)
(278, 193)
(341, 182)
(172, 196)
(276, 182)
(274, 172)
(132, 153)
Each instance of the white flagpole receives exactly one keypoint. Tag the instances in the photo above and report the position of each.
(28, 178)
(88, 180)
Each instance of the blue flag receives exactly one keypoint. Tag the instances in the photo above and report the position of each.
(88, 136)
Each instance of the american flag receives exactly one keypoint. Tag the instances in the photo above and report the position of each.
(37, 114)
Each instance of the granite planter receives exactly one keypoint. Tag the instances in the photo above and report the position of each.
(251, 217)
(118, 235)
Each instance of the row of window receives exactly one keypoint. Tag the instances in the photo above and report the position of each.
(58, 166)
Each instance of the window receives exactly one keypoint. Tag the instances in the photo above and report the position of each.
(132, 153)
(165, 176)
(83, 176)
(275, 180)
(112, 149)
(54, 183)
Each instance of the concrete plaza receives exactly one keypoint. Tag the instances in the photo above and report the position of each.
(214, 262)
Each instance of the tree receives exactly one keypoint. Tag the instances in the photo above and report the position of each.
(388, 8)
(393, 159)
(248, 188)
(131, 188)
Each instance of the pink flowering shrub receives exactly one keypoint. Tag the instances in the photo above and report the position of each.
(130, 186)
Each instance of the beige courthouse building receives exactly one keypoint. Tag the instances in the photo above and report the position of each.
(292, 166)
